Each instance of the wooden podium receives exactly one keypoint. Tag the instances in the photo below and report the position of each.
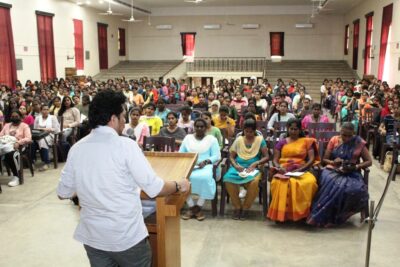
(164, 226)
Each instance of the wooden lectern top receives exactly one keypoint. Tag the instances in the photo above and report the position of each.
(172, 166)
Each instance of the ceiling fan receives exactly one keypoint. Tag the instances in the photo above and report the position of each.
(321, 7)
(109, 12)
(132, 19)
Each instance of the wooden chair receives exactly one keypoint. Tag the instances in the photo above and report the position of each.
(368, 124)
(324, 137)
(159, 143)
(319, 127)
(389, 146)
(24, 156)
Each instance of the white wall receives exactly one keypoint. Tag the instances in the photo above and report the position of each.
(324, 42)
(359, 12)
(24, 26)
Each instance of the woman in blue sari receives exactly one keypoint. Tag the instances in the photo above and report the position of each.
(342, 191)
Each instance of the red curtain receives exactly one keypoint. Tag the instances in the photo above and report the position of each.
(8, 70)
(346, 39)
(103, 50)
(121, 34)
(78, 35)
(386, 22)
(356, 34)
(46, 47)
(368, 41)
(277, 43)
(188, 43)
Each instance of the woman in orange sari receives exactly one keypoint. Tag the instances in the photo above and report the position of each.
(292, 196)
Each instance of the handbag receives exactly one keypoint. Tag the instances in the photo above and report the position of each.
(387, 165)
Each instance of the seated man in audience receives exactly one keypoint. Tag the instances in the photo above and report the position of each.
(224, 123)
(315, 117)
(152, 121)
(305, 108)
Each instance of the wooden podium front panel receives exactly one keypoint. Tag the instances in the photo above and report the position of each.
(164, 232)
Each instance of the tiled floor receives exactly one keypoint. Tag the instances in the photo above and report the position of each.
(36, 230)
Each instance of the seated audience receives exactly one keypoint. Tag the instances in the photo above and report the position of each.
(239, 102)
(342, 191)
(201, 178)
(161, 111)
(247, 153)
(55, 107)
(185, 120)
(71, 117)
(281, 115)
(152, 121)
(136, 129)
(48, 123)
(202, 104)
(315, 117)
(292, 196)
(214, 108)
(172, 130)
(26, 118)
(212, 130)
(223, 122)
(13, 135)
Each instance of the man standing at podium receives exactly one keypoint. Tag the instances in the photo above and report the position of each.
(107, 171)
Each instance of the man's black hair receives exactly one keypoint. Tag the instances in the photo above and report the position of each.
(105, 104)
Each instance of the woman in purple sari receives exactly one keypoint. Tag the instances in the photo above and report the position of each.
(342, 191)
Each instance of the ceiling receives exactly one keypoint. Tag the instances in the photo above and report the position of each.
(122, 6)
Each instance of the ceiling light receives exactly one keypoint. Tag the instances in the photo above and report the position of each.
(88, 2)
(101, 1)
(79, 3)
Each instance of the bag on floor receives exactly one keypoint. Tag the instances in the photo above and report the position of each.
(387, 165)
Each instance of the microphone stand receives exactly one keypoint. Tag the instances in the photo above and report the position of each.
(373, 213)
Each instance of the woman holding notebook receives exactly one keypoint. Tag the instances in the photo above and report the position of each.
(292, 193)
(247, 152)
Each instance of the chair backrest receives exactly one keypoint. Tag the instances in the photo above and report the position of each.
(370, 114)
(279, 128)
(159, 143)
(322, 147)
(261, 125)
(313, 128)
(325, 136)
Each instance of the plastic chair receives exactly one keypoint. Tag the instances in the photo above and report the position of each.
(159, 143)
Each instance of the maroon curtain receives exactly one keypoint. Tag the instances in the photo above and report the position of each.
(356, 34)
(386, 23)
(188, 43)
(78, 35)
(121, 34)
(46, 46)
(103, 50)
(368, 41)
(346, 39)
(8, 70)
(277, 43)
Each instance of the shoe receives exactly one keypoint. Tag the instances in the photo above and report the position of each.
(14, 181)
(190, 213)
(44, 167)
(200, 215)
(242, 193)
(236, 214)
(244, 215)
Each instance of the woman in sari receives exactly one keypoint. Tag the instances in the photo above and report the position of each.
(247, 152)
(203, 183)
(342, 191)
(292, 196)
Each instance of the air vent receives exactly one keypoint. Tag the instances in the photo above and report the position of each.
(250, 26)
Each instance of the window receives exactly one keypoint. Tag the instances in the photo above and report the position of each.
(121, 42)
(188, 44)
(346, 39)
(46, 46)
(78, 35)
(385, 33)
(8, 70)
(368, 43)
(356, 35)
(277, 43)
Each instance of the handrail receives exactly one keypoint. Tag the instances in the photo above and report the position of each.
(180, 62)
(230, 64)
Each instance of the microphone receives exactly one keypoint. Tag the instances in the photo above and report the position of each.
(131, 134)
